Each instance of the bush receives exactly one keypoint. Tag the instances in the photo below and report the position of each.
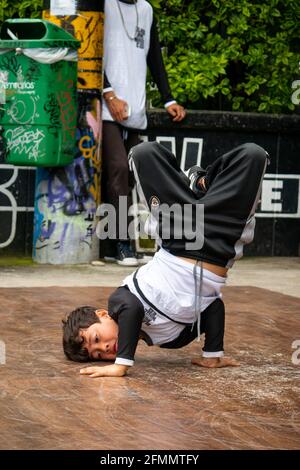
(235, 55)
(20, 9)
(231, 55)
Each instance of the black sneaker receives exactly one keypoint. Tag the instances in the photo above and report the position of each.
(125, 256)
(198, 183)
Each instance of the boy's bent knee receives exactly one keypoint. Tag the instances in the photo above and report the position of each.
(254, 151)
(150, 152)
(139, 152)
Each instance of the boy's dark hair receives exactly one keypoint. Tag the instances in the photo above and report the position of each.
(81, 317)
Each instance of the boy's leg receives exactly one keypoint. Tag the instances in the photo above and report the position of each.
(158, 174)
(234, 186)
(234, 182)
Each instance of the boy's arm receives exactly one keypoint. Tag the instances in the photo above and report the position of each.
(126, 309)
(114, 370)
(213, 325)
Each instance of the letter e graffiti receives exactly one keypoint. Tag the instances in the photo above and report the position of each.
(296, 354)
(2, 353)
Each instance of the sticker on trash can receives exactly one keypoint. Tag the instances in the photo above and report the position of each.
(62, 7)
(3, 85)
(22, 85)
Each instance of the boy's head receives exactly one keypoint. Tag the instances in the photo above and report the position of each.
(90, 334)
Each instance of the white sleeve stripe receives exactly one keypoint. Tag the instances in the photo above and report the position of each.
(212, 354)
(124, 362)
(169, 103)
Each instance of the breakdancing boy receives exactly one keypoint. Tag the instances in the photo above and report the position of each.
(177, 295)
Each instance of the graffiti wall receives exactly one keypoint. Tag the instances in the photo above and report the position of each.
(16, 209)
(66, 198)
(201, 139)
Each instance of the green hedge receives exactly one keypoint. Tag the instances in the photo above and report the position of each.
(221, 54)
(20, 9)
(231, 54)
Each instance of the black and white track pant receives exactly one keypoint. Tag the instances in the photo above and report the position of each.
(234, 184)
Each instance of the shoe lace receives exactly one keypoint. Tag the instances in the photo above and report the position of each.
(126, 250)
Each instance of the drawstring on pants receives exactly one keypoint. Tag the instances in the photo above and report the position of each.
(198, 297)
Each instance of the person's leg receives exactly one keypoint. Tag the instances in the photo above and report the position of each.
(114, 164)
(158, 174)
(132, 139)
(115, 182)
(234, 183)
(160, 184)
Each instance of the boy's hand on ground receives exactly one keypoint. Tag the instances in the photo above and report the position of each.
(215, 362)
(114, 370)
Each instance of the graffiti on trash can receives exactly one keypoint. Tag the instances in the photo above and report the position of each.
(10, 63)
(24, 141)
(23, 112)
(52, 109)
(33, 73)
(67, 109)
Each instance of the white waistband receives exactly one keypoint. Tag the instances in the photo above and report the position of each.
(168, 257)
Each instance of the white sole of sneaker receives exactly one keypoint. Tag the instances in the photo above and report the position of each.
(128, 262)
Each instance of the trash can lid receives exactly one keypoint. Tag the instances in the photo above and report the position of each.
(32, 33)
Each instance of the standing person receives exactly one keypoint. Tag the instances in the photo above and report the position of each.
(130, 44)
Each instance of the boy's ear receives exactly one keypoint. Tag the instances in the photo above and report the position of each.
(101, 313)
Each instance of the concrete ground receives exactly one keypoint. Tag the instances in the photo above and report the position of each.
(165, 402)
(280, 275)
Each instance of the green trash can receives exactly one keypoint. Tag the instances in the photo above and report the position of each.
(38, 88)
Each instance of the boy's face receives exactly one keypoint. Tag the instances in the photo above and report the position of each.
(101, 339)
